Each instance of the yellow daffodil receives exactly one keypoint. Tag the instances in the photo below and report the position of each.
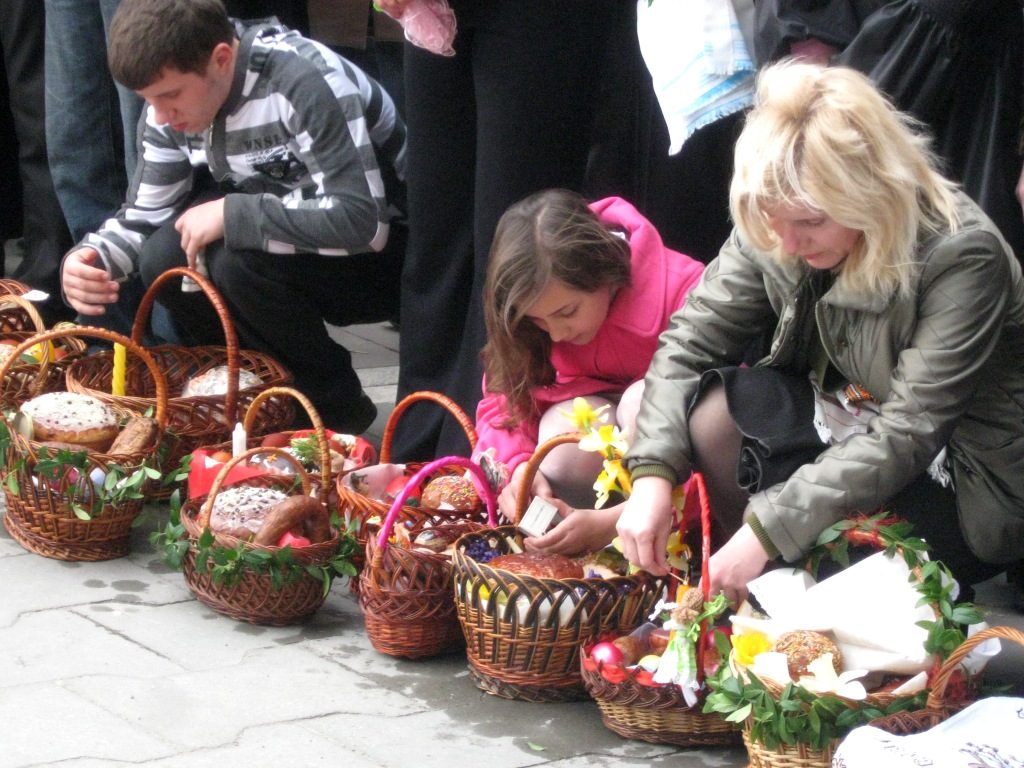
(748, 645)
(585, 418)
(613, 478)
(607, 440)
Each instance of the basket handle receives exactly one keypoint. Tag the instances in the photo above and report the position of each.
(533, 466)
(949, 666)
(314, 417)
(142, 315)
(403, 405)
(12, 287)
(26, 306)
(203, 521)
(479, 480)
(100, 333)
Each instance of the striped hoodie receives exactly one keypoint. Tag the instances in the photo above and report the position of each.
(309, 149)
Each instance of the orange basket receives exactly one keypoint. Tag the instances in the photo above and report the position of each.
(523, 633)
(41, 507)
(406, 594)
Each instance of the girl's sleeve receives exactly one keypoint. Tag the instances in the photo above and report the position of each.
(511, 446)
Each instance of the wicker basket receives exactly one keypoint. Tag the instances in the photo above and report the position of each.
(19, 319)
(40, 515)
(255, 598)
(659, 713)
(15, 287)
(800, 755)
(406, 594)
(524, 634)
(198, 420)
(366, 514)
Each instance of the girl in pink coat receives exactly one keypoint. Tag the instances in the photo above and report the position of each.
(575, 298)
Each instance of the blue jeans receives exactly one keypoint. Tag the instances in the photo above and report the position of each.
(90, 124)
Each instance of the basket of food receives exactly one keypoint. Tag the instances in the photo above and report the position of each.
(405, 589)
(650, 684)
(208, 385)
(74, 466)
(366, 495)
(525, 616)
(862, 645)
(346, 452)
(40, 368)
(264, 549)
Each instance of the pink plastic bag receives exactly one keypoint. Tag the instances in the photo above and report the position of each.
(430, 24)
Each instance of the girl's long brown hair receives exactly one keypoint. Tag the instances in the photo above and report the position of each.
(549, 235)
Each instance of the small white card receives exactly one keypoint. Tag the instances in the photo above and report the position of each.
(540, 516)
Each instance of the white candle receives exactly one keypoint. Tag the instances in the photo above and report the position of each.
(238, 440)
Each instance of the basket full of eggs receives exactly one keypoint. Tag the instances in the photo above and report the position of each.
(74, 466)
(208, 385)
(405, 589)
(526, 615)
(650, 684)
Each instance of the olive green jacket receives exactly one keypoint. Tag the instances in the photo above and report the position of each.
(947, 365)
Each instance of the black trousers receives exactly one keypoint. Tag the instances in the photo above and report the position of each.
(42, 222)
(510, 114)
(279, 304)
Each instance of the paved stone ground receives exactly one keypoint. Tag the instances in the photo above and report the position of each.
(114, 663)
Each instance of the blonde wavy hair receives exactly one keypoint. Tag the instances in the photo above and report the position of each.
(828, 140)
(550, 235)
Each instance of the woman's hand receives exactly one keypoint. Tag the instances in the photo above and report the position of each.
(509, 494)
(645, 523)
(581, 530)
(737, 563)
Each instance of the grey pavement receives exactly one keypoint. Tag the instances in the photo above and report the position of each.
(115, 663)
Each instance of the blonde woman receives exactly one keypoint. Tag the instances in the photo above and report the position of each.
(894, 372)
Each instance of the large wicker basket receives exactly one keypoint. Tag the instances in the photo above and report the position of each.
(659, 713)
(366, 514)
(406, 594)
(19, 319)
(41, 510)
(197, 420)
(800, 755)
(524, 634)
(255, 597)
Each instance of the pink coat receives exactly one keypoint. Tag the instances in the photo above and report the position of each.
(622, 349)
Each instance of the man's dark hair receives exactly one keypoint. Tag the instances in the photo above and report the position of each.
(147, 36)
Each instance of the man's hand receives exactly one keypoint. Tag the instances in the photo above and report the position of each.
(645, 524)
(581, 530)
(507, 497)
(199, 226)
(737, 563)
(88, 288)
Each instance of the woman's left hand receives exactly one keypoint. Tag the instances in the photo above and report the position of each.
(581, 530)
(738, 562)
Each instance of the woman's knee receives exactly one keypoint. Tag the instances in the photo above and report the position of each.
(711, 426)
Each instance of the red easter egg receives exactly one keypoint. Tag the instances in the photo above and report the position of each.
(290, 538)
(607, 653)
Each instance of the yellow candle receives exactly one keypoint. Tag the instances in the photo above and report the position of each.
(117, 381)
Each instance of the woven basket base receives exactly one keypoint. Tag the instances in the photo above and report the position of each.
(785, 756)
(414, 639)
(107, 537)
(520, 692)
(680, 727)
(254, 598)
